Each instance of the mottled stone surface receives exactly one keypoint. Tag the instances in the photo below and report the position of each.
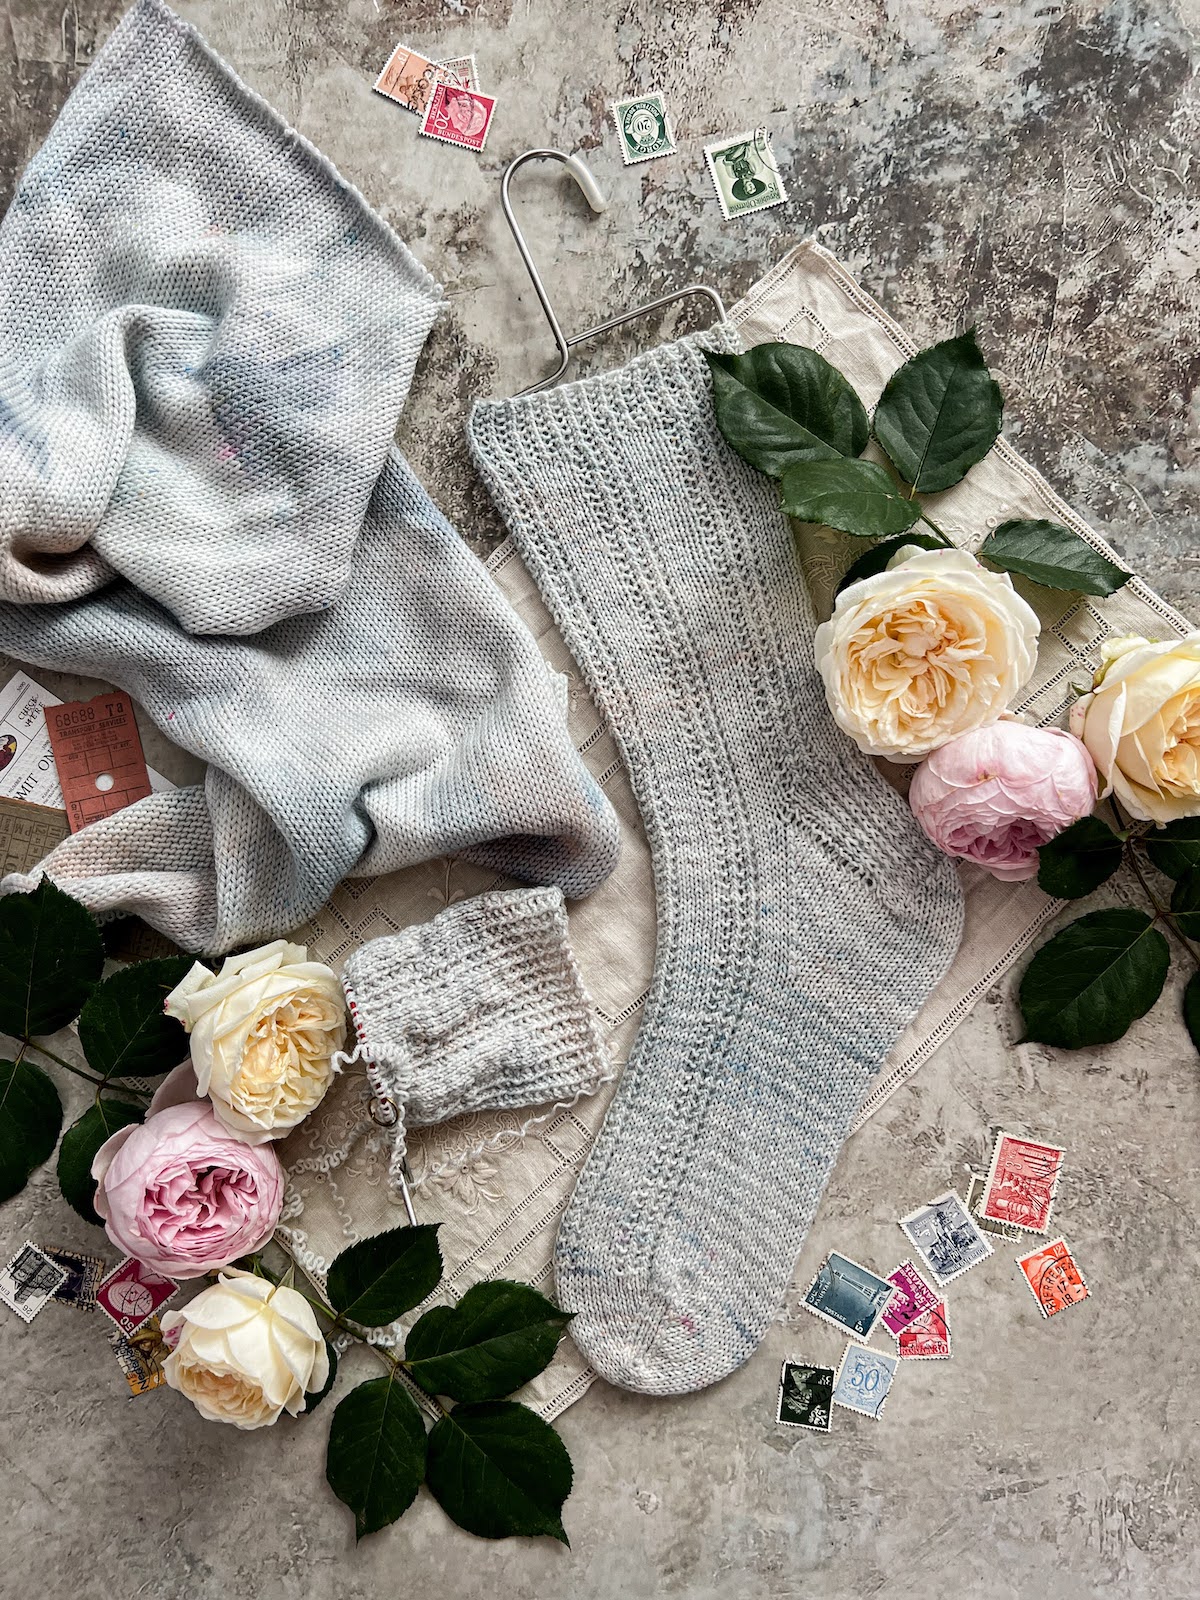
(1028, 166)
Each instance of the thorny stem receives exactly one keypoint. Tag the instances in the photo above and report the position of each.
(68, 1066)
(1162, 913)
(941, 533)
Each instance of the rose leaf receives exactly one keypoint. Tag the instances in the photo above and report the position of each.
(80, 1143)
(939, 414)
(1087, 984)
(1185, 903)
(781, 403)
(875, 559)
(124, 1031)
(376, 1456)
(853, 496)
(1191, 1008)
(498, 1470)
(1175, 848)
(30, 1117)
(378, 1279)
(496, 1338)
(1049, 554)
(50, 960)
(1079, 859)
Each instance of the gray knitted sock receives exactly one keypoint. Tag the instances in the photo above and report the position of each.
(803, 917)
(481, 1009)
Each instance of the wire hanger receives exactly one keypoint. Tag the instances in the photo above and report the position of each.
(594, 196)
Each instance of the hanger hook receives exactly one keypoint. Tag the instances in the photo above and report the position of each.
(594, 196)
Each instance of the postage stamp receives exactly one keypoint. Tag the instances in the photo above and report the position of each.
(863, 1379)
(131, 1294)
(643, 128)
(84, 1272)
(849, 1296)
(140, 1357)
(744, 173)
(1021, 1183)
(409, 79)
(928, 1337)
(912, 1299)
(946, 1237)
(29, 1281)
(805, 1396)
(462, 71)
(998, 1230)
(459, 116)
(1054, 1277)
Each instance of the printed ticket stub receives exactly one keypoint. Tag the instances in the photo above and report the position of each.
(98, 753)
(27, 770)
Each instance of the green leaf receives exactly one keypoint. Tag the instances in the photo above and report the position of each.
(782, 403)
(376, 1456)
(80, 1143)
(1079, 859)
(50, 960)
(1049, 554)
(1191, 1008)
(313, 1397)
(379, 1279)
(939, 414)
(123, 1029)
(877, 557)
(30, 1117)
(496, 1338)
(1185, 903)
(499, 1470)
(1088, 983)
(853, 496)
(1175, 848)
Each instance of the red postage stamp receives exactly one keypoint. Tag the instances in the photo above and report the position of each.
(928, 1337)
(131, 1294)
(1054, 1277)
(459, 116)
(1021, 1183)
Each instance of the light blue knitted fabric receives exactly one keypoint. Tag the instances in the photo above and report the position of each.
(803, 916)
(206, 336)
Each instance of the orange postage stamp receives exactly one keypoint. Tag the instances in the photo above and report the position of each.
(1054, 1277)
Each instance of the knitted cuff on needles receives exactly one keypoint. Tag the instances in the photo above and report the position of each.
(482, 1009)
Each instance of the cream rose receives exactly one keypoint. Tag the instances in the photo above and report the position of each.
(1141, 724)
(245, 1350)
(926, 650)
(265, 1030)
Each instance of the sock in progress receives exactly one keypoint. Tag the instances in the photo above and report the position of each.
(803, 917)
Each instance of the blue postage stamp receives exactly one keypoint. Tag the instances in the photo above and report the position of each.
(863, 1380)
(849, 1296)
(947, 1237)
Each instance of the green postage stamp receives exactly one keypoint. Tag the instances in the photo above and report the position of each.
(744, 173)
(642, 128)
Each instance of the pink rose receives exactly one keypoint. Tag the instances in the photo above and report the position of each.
(995, 794)
(181, 1194)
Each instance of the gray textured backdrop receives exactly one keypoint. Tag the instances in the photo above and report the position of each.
(1027, 166)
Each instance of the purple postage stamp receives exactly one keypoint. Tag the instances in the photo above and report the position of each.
(913, 1298)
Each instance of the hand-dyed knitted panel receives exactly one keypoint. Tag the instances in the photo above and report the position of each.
(205, 338)
(803, 917)
(481, 1009)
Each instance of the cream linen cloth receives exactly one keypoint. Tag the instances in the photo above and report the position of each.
(498, 1190)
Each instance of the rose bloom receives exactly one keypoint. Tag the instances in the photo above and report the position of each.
(245, 1350)
(182, 1194)
(1141, 723)
(265, 1030)
(931, 647)
(993, 795)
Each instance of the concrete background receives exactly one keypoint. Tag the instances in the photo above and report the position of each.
(1027, 165)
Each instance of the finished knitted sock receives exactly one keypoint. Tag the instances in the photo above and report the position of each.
(481, 1009)
(803, 916)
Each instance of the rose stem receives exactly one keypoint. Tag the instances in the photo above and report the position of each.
(1161, 913)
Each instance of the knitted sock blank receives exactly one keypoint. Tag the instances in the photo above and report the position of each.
(206, 336)
(483, 1008)
(803, 917)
